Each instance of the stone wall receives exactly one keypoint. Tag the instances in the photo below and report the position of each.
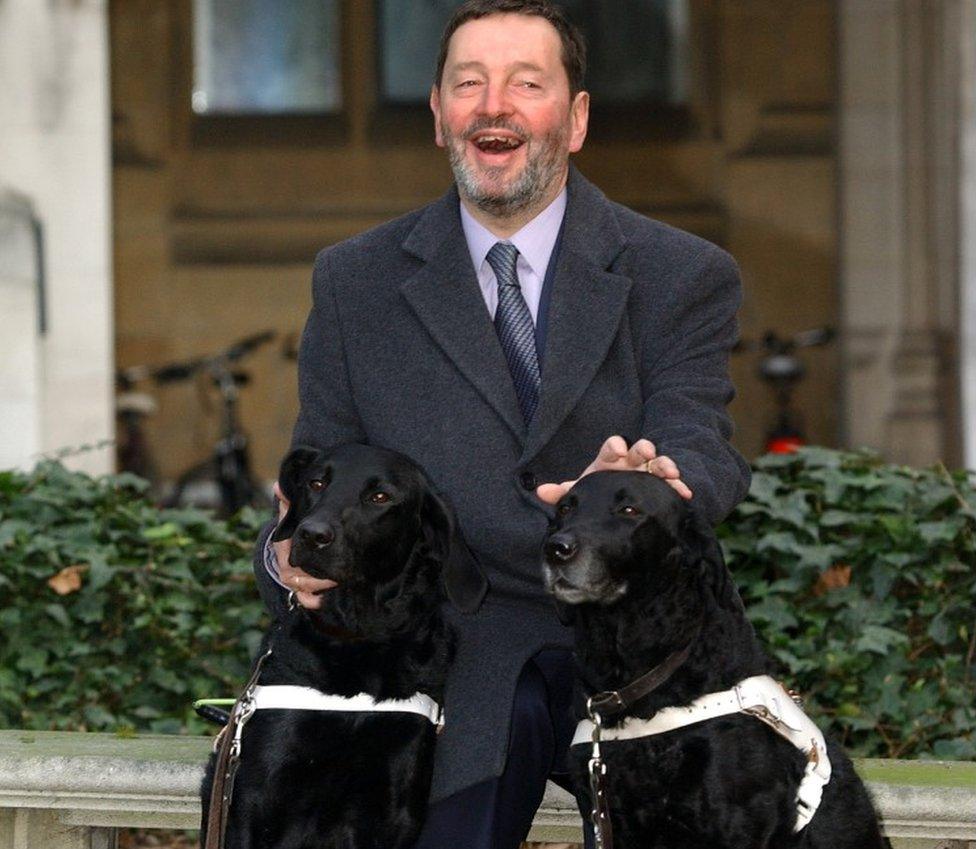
(54, 151)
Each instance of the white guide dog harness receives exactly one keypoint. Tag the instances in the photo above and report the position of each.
(289, 697)
(761, 697)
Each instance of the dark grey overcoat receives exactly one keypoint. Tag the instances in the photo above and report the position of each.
(400, 351)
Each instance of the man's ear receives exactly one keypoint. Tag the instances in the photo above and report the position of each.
(464, 582)
(290, 476)
(579, 112)
(435, 107)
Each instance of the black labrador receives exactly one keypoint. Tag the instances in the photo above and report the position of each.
(644, 584)
(368, 519)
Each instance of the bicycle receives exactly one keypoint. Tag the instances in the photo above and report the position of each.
(782, 371)
(229, 465)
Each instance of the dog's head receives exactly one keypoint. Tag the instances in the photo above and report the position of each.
(612, 531)
(362, 516)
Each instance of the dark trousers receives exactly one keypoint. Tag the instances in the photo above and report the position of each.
(497, 814)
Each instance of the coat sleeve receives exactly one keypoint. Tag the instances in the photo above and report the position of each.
(327, 413)
(686, 387)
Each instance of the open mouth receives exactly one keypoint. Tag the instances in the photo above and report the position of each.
(494, 143)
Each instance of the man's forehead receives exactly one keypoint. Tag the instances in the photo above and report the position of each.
(491, 37)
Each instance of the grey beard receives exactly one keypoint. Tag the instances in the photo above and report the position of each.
(530, 187)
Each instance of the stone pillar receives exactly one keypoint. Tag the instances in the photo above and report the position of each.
(55, 151)
(967, 212)
(25, 828)
(20, 299)
(899, 236)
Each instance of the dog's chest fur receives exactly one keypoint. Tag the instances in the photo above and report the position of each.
(324, 779)
(726, 784)
(307, 653)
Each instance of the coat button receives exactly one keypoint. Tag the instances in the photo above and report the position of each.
(528, 481)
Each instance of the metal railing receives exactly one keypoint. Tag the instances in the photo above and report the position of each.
(63, 790)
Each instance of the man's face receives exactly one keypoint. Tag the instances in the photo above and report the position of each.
(504, 113)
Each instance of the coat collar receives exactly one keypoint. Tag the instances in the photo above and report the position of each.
(585, 311)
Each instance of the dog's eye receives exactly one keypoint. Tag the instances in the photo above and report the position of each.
(316, 485)
(563, 509)
(629, 510)
(379, 498)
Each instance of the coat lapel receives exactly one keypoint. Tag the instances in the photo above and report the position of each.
(587, 305)
(445, 296)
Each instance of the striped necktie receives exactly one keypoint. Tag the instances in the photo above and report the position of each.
(513, 323)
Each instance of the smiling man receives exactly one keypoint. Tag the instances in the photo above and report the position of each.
(515, 334)
(508, 116)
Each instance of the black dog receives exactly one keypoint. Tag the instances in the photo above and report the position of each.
(369, 520)
(645, 586)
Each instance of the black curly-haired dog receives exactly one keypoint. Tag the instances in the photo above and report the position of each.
(644, 584)
(368, 519)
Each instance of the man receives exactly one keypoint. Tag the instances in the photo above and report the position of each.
(521, 329)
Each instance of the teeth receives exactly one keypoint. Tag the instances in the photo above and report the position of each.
(499, 140)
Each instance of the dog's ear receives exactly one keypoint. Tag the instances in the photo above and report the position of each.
(463, 579)
(702, 551)
(290, 475)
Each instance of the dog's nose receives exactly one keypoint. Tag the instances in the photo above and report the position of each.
(319, 536)
(561, 548)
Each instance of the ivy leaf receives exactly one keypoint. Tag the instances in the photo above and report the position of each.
(764, 488)
(32, 660)
(58, 614)
(935, 532)
(793, 510)
(878, 639)
(780, 541)
(941, 629)
(167, 530)
(775, 611)
(839, 518)
(101, 573)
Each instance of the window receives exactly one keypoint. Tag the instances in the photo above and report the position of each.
(638, 49)
(265, 57)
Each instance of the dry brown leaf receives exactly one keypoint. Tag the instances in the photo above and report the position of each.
(836, 577)
(552, 846)
(68, 580)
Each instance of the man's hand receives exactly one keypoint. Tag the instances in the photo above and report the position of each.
(308, 590)
(615, 455)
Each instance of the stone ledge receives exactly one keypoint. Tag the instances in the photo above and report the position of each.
(152, 781)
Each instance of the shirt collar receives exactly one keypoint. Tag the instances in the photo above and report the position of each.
(535, 241)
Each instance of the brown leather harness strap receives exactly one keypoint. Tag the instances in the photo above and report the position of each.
(609, 703)
(228, 748)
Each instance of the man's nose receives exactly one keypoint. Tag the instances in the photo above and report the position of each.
(495, 99)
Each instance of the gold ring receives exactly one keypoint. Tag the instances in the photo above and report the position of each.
(647, 466)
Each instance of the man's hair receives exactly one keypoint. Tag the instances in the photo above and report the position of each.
(573, 45)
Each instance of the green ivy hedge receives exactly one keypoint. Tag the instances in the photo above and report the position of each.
(860, 578)
(858, 575)
(165, 611)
